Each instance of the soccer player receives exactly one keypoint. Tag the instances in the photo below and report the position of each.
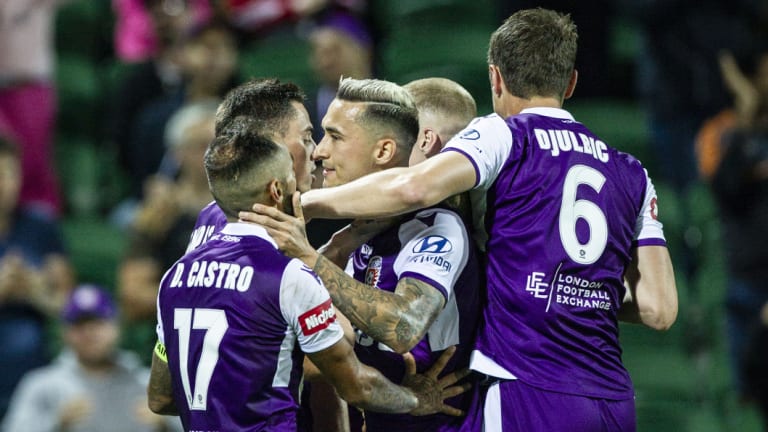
(445, 108)
(416, 284)
(232, 313)
(573, 231)
(279, 109)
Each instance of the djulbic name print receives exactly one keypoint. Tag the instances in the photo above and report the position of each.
(558, 141)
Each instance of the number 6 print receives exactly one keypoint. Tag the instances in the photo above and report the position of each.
(214, 321)
(572, 210)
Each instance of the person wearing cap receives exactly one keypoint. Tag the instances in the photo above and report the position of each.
(92, 385)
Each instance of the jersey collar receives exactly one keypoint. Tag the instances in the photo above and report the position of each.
(242, 229)
(549, 112)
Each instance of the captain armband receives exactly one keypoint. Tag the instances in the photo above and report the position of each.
(160, 352)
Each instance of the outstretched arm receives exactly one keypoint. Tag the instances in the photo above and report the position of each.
(367, 388)
(650, 279)
(394, 191)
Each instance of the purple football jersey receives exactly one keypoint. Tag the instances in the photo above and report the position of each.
(210, 220)
(433, 246)
(562, 211)
(235, 315)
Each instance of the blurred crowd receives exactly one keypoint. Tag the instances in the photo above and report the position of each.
(700, 75)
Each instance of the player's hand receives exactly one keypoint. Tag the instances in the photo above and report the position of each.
(431, 391)
(288, 231)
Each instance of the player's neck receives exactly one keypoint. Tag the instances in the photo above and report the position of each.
(514, 105)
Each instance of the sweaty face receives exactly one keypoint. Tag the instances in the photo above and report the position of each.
(347, 149)
(298, 140)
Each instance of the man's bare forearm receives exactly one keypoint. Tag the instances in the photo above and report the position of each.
(398, 320)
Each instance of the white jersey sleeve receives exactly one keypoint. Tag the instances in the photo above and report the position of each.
(306, 306)
(435, 249)
(648, 229)
(487, 142)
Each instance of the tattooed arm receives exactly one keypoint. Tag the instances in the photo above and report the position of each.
(159, 390)
(399, 320)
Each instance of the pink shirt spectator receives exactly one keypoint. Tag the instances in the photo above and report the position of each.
(136, 38)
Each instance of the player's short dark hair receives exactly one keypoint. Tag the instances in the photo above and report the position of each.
(239, 162)
(390, 109)
(535, 50)
(267, 100)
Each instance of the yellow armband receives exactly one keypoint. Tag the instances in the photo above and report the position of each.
(160, 351)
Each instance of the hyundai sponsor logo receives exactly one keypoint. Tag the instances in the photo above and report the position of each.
(471, 134)
(433, 244)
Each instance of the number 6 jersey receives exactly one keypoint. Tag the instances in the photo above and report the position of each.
(563, 212)
(235, 315)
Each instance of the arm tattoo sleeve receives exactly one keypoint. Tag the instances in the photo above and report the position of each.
(398, 319)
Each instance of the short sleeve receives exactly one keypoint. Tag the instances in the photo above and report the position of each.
(307, 307)
(435, 249)
(487, 142)
(649, 231)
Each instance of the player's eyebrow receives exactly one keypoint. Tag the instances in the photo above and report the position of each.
(333, 130)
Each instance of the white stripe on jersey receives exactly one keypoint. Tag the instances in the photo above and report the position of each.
(301, 291)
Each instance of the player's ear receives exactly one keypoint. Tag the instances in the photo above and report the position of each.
(431, 144)
(571, 84)
(497, 83)
(385, 151)
(276, 191)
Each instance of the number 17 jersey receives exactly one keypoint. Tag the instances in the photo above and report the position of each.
(562, 212)
(235, 315)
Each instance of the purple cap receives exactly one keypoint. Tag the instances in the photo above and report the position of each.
(88, 302)
(348, 24)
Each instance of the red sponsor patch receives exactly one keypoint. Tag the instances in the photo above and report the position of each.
(318, 318)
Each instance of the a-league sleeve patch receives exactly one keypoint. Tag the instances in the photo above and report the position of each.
(160, 351)
(318, 318)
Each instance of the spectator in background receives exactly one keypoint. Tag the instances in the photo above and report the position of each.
(260, 16)
(208, 61)
(92, 386)
(165, 220)
(144, 28)
(28, 96)
(155, 78)
(35, 277)
(341, 46)
(678, 75)
(739, 181)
